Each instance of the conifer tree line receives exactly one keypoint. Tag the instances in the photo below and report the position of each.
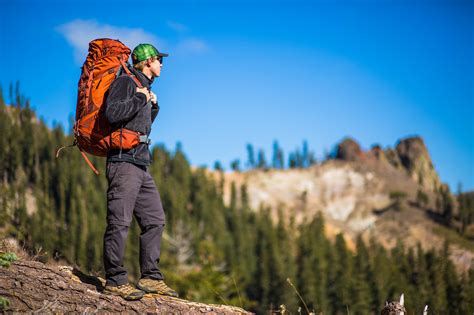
(212, 252)
(299, 158)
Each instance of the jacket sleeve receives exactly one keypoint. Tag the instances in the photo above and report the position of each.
(123, 102)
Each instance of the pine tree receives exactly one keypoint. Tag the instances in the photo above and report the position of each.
(276, 151)
(438, 299)
(305, 155)
(447, 204)
(342, 270)
(262, 283)
(285, 264)
(250, 156)
(261, 162)
(453, 285)
(278, 157)
(281, 158)
(218, 166)
(360, 294)
(467, 292)
(292, 163)
(307, 280)
(235, 165)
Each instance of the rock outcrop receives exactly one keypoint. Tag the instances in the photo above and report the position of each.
(349, 150)
(377, 153)
(416, 160)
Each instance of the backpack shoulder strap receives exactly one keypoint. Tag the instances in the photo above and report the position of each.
(130, 74)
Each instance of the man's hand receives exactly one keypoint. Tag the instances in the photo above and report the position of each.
(154, 101)
(145, 91)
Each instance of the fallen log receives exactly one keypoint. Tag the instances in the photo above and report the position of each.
(31, 286)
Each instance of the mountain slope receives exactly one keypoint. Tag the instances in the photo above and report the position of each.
(391, 195)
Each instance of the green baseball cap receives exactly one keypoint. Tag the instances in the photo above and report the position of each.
(144, 51)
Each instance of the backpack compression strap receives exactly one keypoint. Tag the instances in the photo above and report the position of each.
(89, 162)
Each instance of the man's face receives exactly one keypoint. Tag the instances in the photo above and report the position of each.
(155, 67)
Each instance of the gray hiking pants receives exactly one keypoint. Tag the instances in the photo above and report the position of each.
(132, 191)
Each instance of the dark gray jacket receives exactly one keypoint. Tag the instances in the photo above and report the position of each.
(127, 108)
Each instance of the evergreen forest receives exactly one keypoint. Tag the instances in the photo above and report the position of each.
(211, 252)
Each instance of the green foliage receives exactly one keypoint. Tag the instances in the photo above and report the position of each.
(235, 165)
(261, 161)
(301, 158)
(4, 303)
(421, 198)
(278, 157)
(397, 195)
(466, 212)
(446, 203)
(313, 267)
(6, 259)
(250, 156)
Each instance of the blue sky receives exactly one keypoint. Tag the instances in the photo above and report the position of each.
(252, 72)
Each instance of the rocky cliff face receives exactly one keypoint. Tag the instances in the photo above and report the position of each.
(414, 157)
(371, 193)
(410, 154)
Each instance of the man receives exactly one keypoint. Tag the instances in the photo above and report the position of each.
(131, 189)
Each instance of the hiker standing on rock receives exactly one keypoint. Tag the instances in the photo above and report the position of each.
(132, 189)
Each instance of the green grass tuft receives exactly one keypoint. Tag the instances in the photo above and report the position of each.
(4, 303)
(7, 258)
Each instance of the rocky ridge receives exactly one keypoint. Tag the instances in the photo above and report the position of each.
(373, 193)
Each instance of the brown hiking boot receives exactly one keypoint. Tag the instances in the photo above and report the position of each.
(127, 291)
(156, 286)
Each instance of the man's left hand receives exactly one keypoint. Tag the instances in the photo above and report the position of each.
(153, 98)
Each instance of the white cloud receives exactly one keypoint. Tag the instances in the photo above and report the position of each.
(192, 45)
(178, 27)
(187, 45)
(80, 32)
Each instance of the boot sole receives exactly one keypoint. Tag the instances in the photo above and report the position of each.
(125, 298)
(154, 291)
(145, 289)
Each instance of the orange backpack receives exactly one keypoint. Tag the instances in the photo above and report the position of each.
(92, 132)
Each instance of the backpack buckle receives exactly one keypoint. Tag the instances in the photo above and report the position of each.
(144, 139)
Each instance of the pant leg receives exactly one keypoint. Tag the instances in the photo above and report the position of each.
(150, 247)
(115, 238)
(124, 185)
(151, 219)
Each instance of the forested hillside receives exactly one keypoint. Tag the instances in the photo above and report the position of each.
(212, 252)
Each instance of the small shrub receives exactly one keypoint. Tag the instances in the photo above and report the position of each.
(421, 198)
(397, 195)
(6, 259)
(397, 198)
(4, 303)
